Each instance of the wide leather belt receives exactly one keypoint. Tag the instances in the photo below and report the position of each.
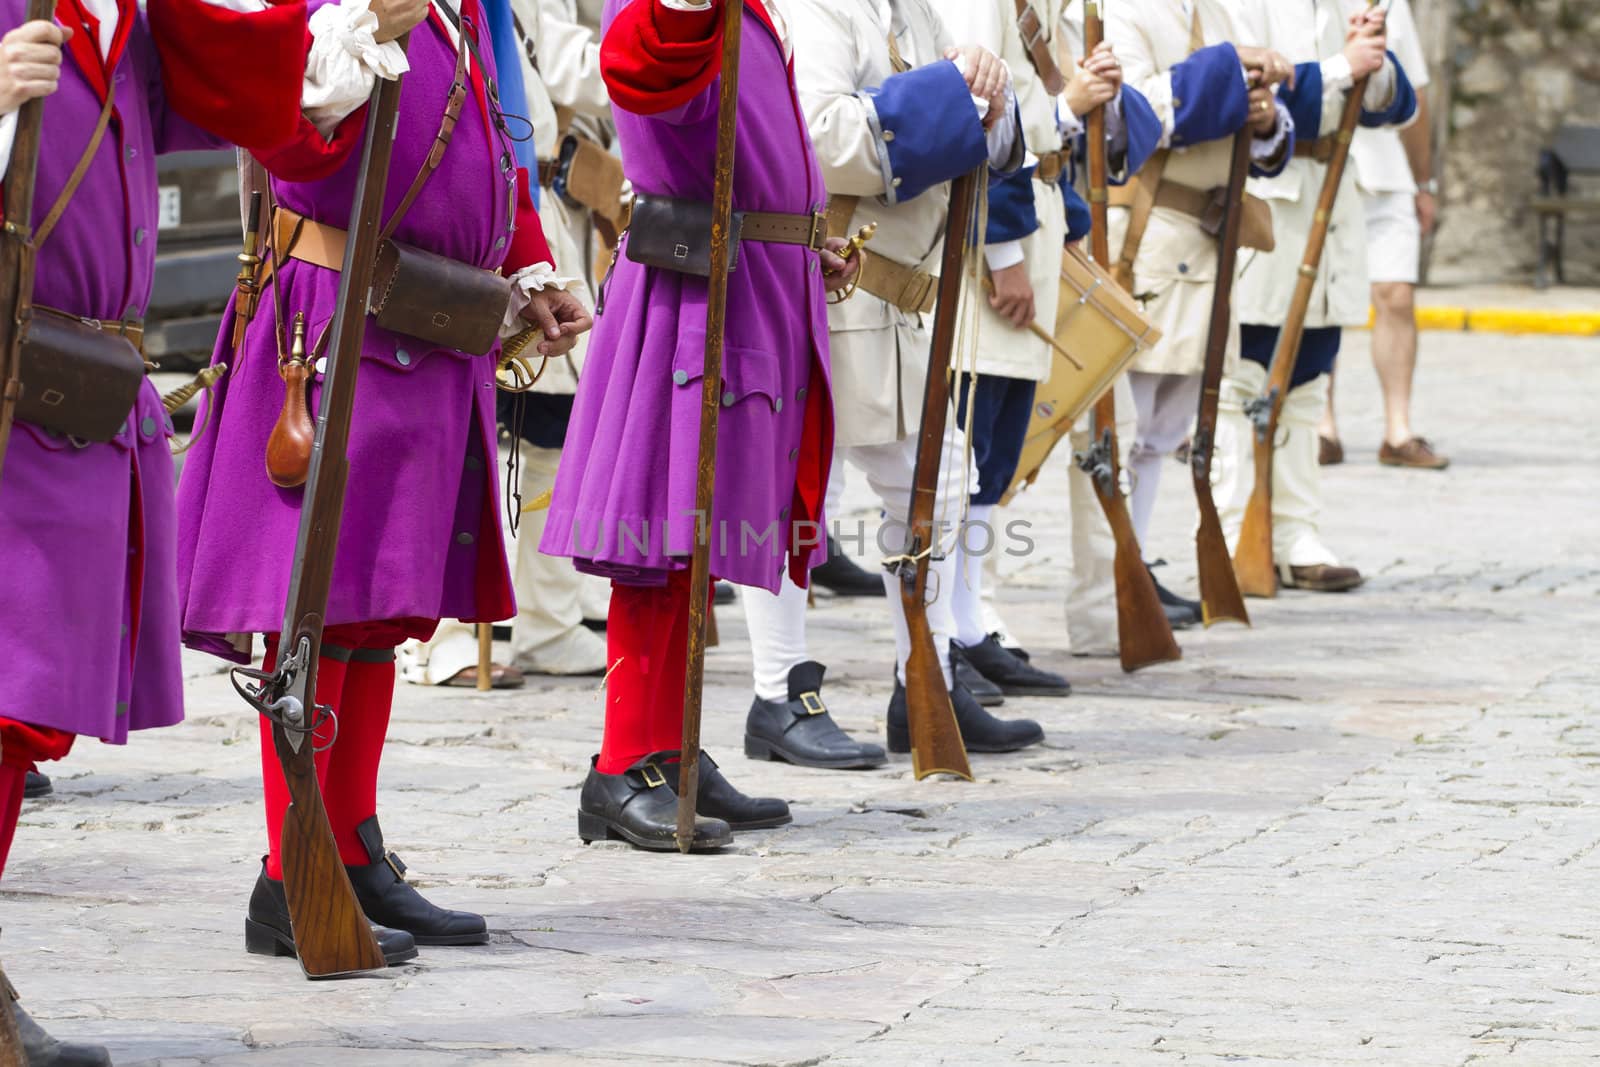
(1184, 199)
(307, 240)
(779, 228)
(1317, 148)
(548, 170)
(907, 288)
(1051, 166)
(132, 329)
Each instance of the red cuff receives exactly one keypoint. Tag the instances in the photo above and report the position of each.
(308, 157)
(235, 75)
(528, 245)
(655, 58)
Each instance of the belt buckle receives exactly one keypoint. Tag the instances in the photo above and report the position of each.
(818, 238)
(658, 779)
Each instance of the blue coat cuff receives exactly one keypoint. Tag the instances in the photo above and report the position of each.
(1209, 97)
(1142, 126)
(928, 131)
(1011, 212)
(1401, 108)
(1305, 99)
(1079, 219)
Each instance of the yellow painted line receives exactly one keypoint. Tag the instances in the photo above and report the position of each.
(1505, 320)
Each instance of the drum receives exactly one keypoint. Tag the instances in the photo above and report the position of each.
(1099, 330)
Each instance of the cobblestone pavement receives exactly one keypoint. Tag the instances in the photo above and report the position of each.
(1363, 832)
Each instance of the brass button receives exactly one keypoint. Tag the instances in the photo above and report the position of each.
(888, 135)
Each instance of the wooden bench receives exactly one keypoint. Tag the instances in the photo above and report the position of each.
(1575, 152)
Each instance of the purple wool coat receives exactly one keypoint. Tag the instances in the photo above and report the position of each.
(421, 538)
(88, 602)
(624, 496)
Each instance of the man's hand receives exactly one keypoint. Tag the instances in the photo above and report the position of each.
(1096, 82)
(397, 18)
(1263, 117)
(838, 273)
(1427, 212)
(1275, 70)
(1012, 296)
(30, 63)
(562, 318)
(987, 78)
(1365, 44)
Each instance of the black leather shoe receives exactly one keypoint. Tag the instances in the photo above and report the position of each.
(843, 576)
(985, 692)
(39, 1049)
(1012, 675)
(800, 730)
(720, 800)
(389, 900)
(1181, 613)
(724, 593)
(268, 932)
(980, 731)
(639, 807)
(36, 785)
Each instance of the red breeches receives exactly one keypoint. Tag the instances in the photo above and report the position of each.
(22, 745)
(647, 637)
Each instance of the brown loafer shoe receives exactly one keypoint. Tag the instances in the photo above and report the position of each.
(1416, 452)
(500, 677)
(1323, 578)
(1330, 452)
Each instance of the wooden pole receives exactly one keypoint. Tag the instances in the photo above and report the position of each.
(710, 408)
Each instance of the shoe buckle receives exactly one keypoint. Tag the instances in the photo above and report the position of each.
(395, 865)
(652, 775)
(813, 704)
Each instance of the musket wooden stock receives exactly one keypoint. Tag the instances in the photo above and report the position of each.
(1144, 636)
(1252, 556)
(936, 745)
(17, 249)
(12, 1053)
(331, 935)
(710, 407)
(1219, 588)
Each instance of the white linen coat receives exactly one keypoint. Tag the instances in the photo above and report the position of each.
(1175, 272)
(1306, 31)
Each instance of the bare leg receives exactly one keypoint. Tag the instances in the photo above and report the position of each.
(1394, 355)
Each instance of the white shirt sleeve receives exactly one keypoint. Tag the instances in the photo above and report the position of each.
(8, 135)
(345, 62)
(1003, 255)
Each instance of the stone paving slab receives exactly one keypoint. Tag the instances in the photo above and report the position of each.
(1364, 832)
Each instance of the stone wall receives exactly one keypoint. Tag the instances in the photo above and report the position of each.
(1512, 71)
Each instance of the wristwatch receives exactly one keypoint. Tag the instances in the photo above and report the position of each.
(1431, 187)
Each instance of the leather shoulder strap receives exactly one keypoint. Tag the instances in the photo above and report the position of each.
(59, 208)
(1033, 28)
(459, 88)
(1145, 187)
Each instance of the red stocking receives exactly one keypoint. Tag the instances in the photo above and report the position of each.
(647, 634)
(330, 686)
(11, 782)
(350, 790)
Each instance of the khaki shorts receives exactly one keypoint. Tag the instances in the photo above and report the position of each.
(1394, 237)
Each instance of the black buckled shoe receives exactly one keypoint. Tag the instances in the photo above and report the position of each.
(800, 730)
(843, 576)
(36, 785)
(1008, 672)
(639, 807)
(720, 800)
(39, 1049)
(985, 692)
(389, 900)
(268, 932)
(980, 731)
(1181, 613)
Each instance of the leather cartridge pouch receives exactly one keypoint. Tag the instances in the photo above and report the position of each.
(437, 299)
(79, 377)
(675, 235)
(1255, 225)
(589, 177)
